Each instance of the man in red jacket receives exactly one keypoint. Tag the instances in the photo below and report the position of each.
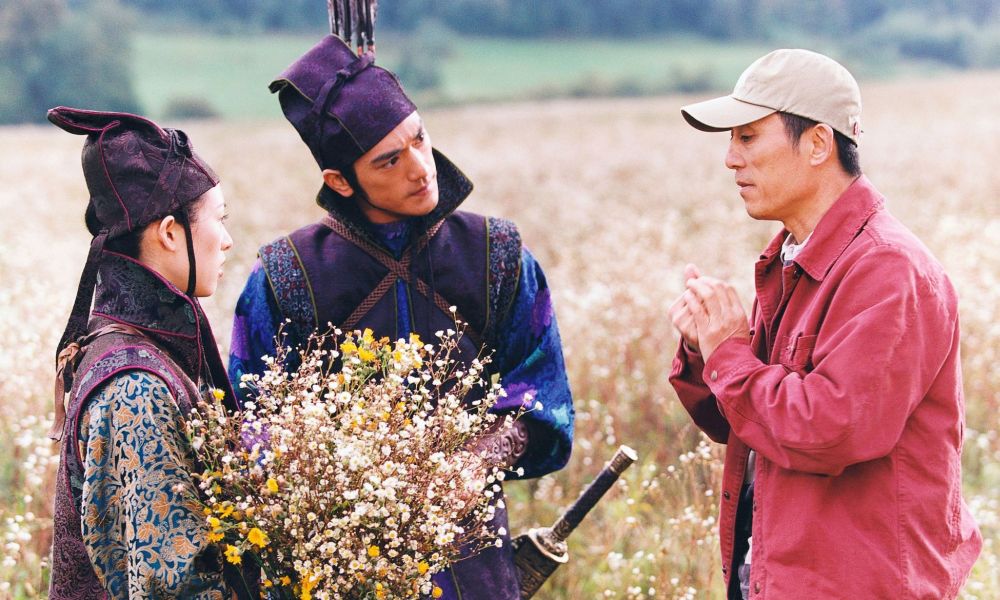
(840, 399)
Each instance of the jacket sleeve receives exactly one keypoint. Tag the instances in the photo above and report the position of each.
(255, 324)
(887, 331)
(144, 534)
(697, 398)
(530, 360)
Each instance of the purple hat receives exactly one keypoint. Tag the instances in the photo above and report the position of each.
(136, 173)
(341, 104)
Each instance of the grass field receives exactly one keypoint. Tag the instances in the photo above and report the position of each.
(614, 197)
(233, 72)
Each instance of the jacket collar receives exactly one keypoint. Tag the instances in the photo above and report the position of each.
(129, 292)
(835, 230)
(453, 188)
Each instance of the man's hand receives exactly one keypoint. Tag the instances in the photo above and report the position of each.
(682, 317)
(717, 313)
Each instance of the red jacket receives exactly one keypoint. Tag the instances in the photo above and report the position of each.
(850, 392)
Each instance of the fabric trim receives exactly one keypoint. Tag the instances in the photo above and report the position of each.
(289, 282)
(503, 242)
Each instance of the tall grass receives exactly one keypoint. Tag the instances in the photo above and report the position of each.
(614, 197)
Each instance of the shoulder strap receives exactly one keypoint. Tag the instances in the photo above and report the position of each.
(290, 284)
(66, 365)
(504, 256)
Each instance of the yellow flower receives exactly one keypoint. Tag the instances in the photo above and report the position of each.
(216, 536)
(219, 394)
(226, 510)
(368, 335)
(348, 348)
(422, 567)
(214, 523)
(373, 551)
(268, 583)
(257, 538)
(308, 583)
(272, 485)
(233, 554)
(437, 592)
(415, 339)
(366, 355)
(379, 591)
(286, 580)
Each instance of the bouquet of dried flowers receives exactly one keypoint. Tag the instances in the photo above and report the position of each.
(354, 475)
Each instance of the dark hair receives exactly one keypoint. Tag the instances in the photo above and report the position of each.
(129, 243)
(847, 150)
(351, 176)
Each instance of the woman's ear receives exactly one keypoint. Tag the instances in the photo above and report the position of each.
(168, 234)
(336, 181)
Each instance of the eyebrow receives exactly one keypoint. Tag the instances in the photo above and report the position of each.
(392, 153)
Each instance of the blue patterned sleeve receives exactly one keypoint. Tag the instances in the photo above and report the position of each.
(143, 532)
(530, 360)
(255, 324)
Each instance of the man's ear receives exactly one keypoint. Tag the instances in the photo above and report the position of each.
(822, 144)
(336, 181)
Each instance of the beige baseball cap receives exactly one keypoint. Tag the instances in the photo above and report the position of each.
(800, 82)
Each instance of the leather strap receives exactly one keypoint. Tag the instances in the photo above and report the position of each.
(398, 269)
(66, 364)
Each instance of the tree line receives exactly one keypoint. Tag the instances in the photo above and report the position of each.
(77, 52)
(726, 19)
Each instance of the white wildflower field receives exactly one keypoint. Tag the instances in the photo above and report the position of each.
(614, 197)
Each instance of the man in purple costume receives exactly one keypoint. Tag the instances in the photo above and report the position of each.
(394, 254)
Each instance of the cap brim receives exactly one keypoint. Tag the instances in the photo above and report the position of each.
(722, 114)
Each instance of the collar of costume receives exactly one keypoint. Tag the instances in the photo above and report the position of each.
(453, 188)
(129, 292)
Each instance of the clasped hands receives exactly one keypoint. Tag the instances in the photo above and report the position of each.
(708, 313)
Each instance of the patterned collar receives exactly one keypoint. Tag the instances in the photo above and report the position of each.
(129, 292)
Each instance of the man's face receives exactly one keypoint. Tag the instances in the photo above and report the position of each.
(398, 176)
(772, 174)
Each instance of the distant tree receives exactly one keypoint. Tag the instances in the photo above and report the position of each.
(52, 56)
(722, 19)
(428, 47)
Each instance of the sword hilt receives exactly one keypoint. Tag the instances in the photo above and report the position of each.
(538, 553)
(590, 496)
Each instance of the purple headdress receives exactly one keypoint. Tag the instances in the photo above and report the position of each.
(136, 173)
(342, 104)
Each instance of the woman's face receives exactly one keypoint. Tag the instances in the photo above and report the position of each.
(211, 240)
